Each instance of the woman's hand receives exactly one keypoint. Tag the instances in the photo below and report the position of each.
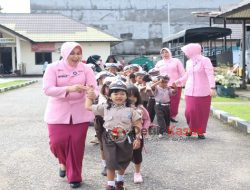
(136, 144)
(213, 92)
(76, 88)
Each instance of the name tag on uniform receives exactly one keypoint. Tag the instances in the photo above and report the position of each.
(62, 76)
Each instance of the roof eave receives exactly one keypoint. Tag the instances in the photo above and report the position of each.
(233, 11)
(60, 41)
(15, 33)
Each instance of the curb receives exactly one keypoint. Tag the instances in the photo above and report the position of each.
(231, 120)
(17, 86)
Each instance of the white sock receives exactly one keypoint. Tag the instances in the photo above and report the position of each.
(104, 163)
(111, 183)
(119, 177)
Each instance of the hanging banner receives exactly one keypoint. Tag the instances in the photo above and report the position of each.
(43, 47)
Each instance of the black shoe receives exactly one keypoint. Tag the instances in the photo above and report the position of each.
(110, 187)
(201, 136)
(173, 120)
(188, 134)
(75, 184)
(119, 185)
(62, 173)
(104, 171)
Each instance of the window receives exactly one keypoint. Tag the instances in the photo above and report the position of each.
(41, 57)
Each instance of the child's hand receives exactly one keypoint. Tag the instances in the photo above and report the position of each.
(136, 144)
(174, 85)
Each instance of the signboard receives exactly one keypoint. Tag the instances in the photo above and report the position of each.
(43, 47)
(7, 41)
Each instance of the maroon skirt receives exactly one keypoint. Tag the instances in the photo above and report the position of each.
(197, 112)
(67, 143)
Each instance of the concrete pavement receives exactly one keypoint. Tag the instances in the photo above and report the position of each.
(221, 161)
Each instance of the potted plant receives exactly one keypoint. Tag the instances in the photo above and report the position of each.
(226, 81)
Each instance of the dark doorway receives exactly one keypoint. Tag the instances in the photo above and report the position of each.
(5, 60)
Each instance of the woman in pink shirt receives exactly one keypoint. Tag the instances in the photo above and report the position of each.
(174, 69)
(65, 82)
(199, 88)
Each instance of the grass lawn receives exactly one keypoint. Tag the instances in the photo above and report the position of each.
(225, 99)
(12, 83)
(234, 106)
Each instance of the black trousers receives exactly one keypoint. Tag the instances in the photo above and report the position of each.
(137, 154)
(151, 108)
(163, 117)
(145, 104)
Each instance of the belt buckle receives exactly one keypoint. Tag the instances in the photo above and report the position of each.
(117, 133)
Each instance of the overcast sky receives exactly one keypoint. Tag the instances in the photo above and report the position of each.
(15, 6)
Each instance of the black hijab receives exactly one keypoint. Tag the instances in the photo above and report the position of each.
(93, 59)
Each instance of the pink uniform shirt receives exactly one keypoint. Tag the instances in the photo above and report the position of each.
(58, 76)
(146, 122)
(172, 67)
(199, 76)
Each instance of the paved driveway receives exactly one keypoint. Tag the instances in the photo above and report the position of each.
(222, 161)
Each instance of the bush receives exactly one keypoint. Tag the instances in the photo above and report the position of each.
(225, 77)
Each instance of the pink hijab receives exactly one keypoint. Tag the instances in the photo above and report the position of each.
(67, 47)
(192, 51)
(169, 52)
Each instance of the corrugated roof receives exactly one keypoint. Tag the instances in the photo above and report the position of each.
(241, 10)
(52, 28)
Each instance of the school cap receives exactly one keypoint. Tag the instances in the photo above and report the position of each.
(127, 67)
(154, 72)
(118, 85)
(103, 74)
(108, 80)
(163, 77)
(140, 73)
(121, 77)
(109, 65)
(136, 66)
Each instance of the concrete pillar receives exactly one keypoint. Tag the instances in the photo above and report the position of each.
(13, 59)
(18, 54)
(244, 54)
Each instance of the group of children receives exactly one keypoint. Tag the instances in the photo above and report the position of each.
(124, 110)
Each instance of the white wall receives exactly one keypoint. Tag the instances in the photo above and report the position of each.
(89, 48)
(96, 48)
(28, 58)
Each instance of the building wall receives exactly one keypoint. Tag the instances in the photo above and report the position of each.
(89, 48)
(28, 59)
(142, 24)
